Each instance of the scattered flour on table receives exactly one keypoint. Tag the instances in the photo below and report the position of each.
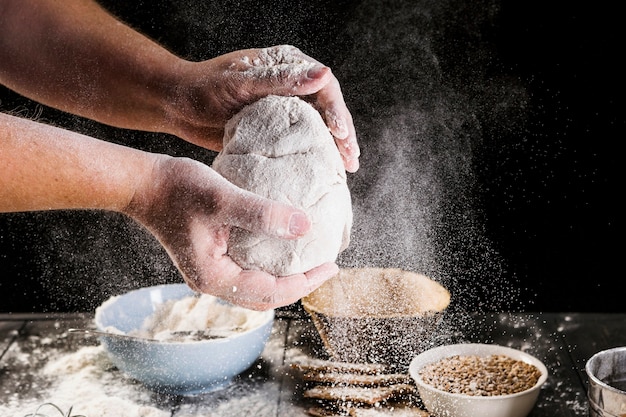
(86, 381)
(83, 382)
(255, 403)
(280, 148)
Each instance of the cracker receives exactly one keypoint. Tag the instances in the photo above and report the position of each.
(320, 365)
(345, 378)
(327, 412)
(388, 412)
(357, 395)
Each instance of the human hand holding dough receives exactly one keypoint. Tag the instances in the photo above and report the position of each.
(280, 148)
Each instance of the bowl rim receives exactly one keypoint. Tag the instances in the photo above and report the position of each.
(271, 314)
(591, 374)
(485, 349)
(350, 273)
(427, 314)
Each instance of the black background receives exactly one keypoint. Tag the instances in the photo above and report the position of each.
(514, 107)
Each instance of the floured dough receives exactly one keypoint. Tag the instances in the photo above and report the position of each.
(280, 148)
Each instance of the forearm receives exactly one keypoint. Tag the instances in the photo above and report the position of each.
(74, 56)
(46, 168)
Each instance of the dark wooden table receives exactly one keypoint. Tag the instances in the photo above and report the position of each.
(28, 342)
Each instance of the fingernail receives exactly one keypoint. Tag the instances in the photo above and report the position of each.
(316, 72)
(298, 224)
(351, 165)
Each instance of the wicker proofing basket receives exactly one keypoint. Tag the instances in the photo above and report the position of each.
(376, 315)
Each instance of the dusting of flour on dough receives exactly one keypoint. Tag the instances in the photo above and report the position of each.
(279, 59)
(281, 149)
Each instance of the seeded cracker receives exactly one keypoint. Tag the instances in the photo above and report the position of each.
(320, 365)
(368, 380)
(357, 395)
(400, 411)
(328, 411)
(388, 412)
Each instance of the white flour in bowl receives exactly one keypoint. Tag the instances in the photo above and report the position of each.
(196, 317)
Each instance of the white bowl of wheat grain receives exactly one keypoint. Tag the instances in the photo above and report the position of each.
(474, 379)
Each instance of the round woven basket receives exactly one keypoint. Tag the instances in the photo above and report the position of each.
(377, 315)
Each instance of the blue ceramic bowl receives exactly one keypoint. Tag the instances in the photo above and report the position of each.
(181, 368)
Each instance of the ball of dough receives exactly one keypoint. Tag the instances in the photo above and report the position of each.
(280, 148)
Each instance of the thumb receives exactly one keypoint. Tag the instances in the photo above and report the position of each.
(264, 216)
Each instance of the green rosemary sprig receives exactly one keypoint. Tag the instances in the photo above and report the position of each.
(38, 412)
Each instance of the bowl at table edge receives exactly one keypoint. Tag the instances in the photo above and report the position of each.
(444, 404)
(180, 368)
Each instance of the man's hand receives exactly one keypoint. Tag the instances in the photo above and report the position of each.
(190, 209)
(211, 92)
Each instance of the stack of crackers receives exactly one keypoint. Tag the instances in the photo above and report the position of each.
(356, 389)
